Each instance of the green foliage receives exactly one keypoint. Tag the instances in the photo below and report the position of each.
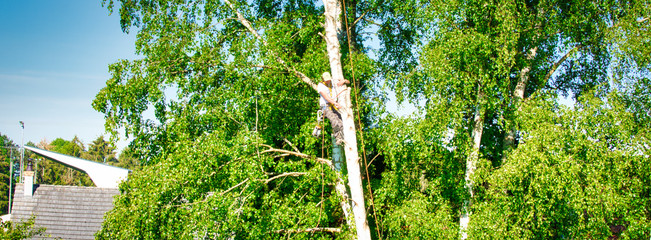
(222, 101)
(100, 151)
(477, 55)
(576, 174)
(219, 186)
(8, 149)
(21, 230)
(419, 186)
(51, 172)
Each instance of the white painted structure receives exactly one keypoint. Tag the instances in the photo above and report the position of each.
(104, 176)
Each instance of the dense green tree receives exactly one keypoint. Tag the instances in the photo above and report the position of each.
(576, 174)
(230, 84)
(234, 68)
(51, 172)
(8, 153)
(220, 184)
(417, 179)
(100, 151)
(485, 58)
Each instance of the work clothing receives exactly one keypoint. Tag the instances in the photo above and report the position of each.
(331, 113)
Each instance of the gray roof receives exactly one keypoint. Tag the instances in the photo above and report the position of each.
(67, 212)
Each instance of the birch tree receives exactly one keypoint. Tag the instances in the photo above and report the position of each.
(485, 59)
(238, 69)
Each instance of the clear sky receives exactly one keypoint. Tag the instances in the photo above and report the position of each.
(54, 58)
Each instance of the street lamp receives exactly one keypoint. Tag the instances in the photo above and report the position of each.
(22, 150)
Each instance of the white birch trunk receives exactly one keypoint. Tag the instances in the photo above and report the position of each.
(333, 24)
(337, 165)
(471, 165)
(518, 96)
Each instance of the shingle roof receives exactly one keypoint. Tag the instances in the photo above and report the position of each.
(67, 212)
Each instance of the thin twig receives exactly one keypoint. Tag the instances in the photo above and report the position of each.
(233, 187)
(559, 62)
(369, 163)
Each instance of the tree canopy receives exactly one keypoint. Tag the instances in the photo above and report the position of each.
(221, 106)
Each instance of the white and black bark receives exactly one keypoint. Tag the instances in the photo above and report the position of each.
(471, 163)
(333, 31)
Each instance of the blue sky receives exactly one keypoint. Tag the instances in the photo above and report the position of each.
(54, 59)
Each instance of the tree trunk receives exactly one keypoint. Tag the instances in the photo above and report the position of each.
(471, 164)
(333, 12)
(518, 95)
(337, 165)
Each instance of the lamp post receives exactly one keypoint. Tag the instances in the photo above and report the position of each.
(22, 150)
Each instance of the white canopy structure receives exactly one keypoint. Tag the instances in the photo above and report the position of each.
(104, 176)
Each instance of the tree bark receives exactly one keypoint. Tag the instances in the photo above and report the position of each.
(518, 96)
(471, 163)
(333, 30)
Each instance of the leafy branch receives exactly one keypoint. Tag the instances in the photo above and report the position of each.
(248, 26)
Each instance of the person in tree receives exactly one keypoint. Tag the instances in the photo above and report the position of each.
(329, 105)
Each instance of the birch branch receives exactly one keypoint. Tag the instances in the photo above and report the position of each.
(249, 27)
(293, 174)
(298, 154)
(309, 230)
(233, 187)
(559, 62)
(210, 194)
(292, 145)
